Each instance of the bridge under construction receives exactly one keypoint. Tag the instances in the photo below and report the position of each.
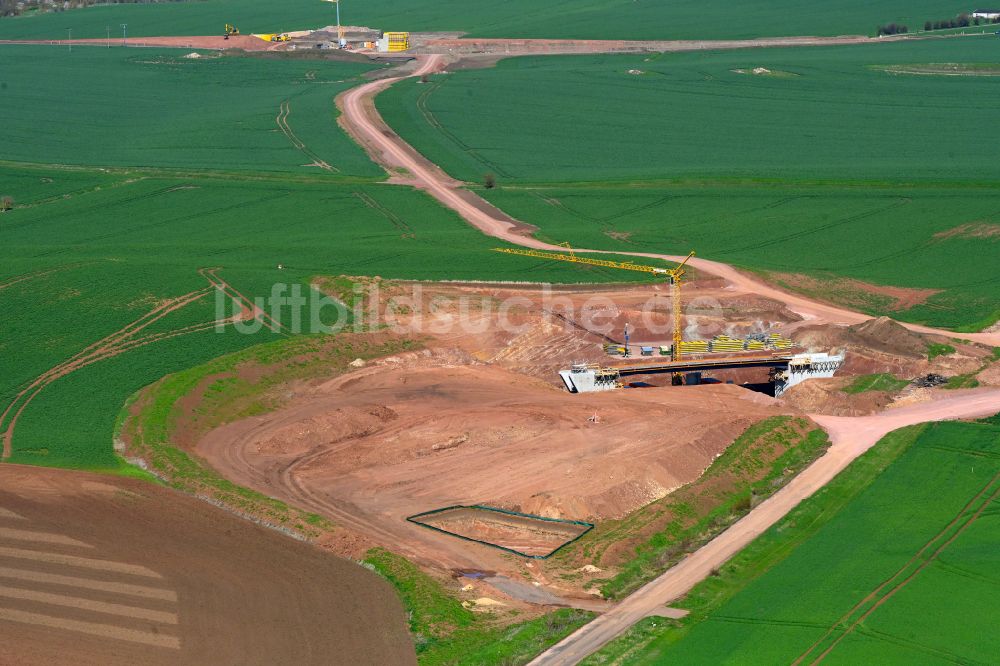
(786, 370)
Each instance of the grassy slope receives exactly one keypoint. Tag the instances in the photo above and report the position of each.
(757, 464)
(149, 420)
(785, 591)
(841, 170)
(152, 107)
(595, 19)
(445, 633)
(117, 251)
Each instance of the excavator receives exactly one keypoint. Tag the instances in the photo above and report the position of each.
(231, 30)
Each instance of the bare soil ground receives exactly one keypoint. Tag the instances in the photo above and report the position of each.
(479, 417)
(523, 534)
(104, 570)
(417, 433)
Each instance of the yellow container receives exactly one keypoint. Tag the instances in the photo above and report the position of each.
(398, 41)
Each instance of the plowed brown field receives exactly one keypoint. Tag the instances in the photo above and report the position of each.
(102, 570)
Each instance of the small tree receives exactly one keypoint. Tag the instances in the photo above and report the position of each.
(424, 78)
(928, 25)
(489, 181)
(6, 204)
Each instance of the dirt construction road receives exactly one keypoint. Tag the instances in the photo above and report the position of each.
(362, 121)
(851, 436)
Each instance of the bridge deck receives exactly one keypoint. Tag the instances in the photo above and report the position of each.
(703, 364)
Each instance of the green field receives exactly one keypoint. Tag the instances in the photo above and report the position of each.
(894, 567)
(90, 253)
(823, 113)
(156, 108)
(838, 170)
(591, 19)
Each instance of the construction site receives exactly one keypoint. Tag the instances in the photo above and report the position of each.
(506, 447)
(509, 437)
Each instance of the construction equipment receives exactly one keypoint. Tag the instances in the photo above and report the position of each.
(673, 274)
(283, 37)
(393, 42)
(341, 42)
(231, 30)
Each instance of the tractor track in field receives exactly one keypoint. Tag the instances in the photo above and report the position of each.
(876, 598)
(124, 340)
(362, 121)
(851, 437)
(285, 110)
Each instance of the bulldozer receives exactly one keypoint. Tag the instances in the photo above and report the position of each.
(231, 30)
(281, 38)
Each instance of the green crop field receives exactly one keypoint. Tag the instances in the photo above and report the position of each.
(903, 572)
(92, 253)
(835, 170)
(156, 108)
(590, 19)
(823, 113)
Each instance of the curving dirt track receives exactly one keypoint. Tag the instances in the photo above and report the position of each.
(362, 121)
(851, 436)
(105, 570)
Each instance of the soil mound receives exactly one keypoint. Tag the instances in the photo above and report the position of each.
(824, 396)
(886, 334)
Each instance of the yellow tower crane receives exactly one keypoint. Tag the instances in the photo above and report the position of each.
(673, 274)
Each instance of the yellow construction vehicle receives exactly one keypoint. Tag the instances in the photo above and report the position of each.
(673, 275)
(281, 38)
(231, 30)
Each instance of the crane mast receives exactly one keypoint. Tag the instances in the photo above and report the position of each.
(674, 276)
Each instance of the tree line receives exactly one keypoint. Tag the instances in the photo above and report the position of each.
(960, 21)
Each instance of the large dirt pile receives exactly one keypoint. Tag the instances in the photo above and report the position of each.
(887, 335)
(883, 335)
(825, 396)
